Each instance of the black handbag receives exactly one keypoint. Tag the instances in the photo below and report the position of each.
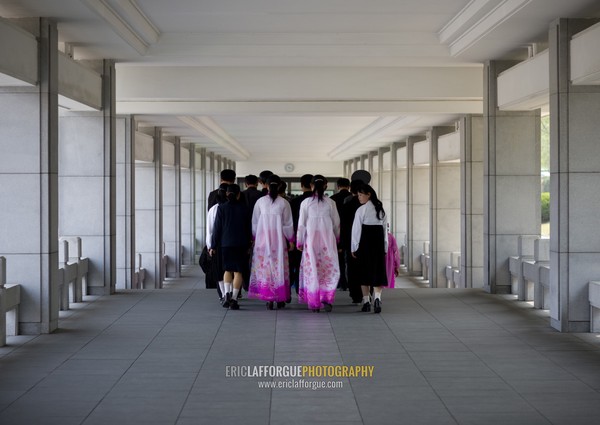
(205, 261)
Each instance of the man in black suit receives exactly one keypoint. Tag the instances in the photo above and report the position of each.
(343, 184)
(251, 193)
(228, 177)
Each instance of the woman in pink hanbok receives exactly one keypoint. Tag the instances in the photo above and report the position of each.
(392, 259)
(317, 238)
(273, 233)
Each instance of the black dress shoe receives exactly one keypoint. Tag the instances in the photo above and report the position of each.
(227, 301)
(366, 307)
(233, 305)
(280, 304)
(377, 306)
(270, 305)
(328, 307)
(316, 310)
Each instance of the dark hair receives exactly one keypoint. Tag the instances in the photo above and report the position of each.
(319, 182)
(228, 175)
(251, 179)
(233, 191)
(355, 185)
(368, 190)
(222, 193)
(306, 180)
(282, 187)
(264, 176)
(343, 182)
(274, 181)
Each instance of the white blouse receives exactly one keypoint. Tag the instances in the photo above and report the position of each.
(210, 224)
(366, 214)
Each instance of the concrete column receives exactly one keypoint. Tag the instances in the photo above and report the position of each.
(417, 207)
(374, 169)
(171, 207)
(188, 222)
(29, 188)
(511, 181)
(444, 219)
(200, 196)
(125, 202)
(385, 192)
(471, 201)
(575, 183)
(87, 177)
(399, 172)
(211, 180)
(148, 209)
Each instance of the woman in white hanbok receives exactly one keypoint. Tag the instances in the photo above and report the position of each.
(273, 232)
(317, 238)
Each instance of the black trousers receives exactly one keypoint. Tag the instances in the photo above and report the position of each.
(354, 282)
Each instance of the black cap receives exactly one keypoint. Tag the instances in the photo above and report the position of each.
(363, 175)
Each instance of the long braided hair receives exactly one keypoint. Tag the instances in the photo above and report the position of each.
(319, 182)
(368, 190)
(274, 181)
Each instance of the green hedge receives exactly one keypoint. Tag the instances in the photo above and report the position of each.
(545, 207)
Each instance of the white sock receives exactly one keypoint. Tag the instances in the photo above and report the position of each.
(365, 299)
(377, 296)
(235, 294)
(222, 287)
(228, 286)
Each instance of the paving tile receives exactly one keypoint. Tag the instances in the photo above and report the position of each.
(439, 357)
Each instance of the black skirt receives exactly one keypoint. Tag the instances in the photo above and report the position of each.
(370, 257)
(234, 259)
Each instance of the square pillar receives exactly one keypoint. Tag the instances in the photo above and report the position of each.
(417, 207)
(444, 220)
(200, 198)
(471, 201)
(125, 190)
(188, 222)
(171, 208)
(29, 188)
(511, 180)
(400, 187)
(148, 206)
(87, 155)
(575, 183)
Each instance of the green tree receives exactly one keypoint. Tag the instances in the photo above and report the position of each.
(545, 207)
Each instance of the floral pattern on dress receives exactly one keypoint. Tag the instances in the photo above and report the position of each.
(318, 232)
(272, 228)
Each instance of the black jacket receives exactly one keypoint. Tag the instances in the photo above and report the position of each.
(295, 205)
(233, 227)
(338, 198)
(252, 194)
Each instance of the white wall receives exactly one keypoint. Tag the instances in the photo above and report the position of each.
(327, 168)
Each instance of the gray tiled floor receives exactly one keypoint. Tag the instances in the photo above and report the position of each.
(439, 356)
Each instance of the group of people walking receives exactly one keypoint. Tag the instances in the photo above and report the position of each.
(260, 240)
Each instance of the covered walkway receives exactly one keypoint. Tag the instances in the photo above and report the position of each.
(439, 356)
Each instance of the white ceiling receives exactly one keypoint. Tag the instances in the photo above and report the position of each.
(299, 109)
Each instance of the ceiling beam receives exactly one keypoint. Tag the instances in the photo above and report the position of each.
(119, 24)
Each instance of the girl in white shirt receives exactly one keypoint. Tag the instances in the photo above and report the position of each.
(369, 245)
